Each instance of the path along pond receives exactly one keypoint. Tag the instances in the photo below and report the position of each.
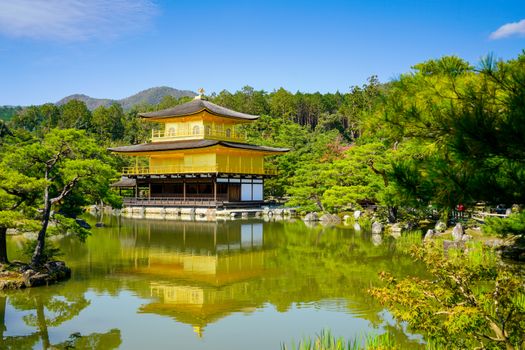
(245, 284)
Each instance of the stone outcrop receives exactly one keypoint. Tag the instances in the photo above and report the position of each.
(440, 227)
(429, 235)
(457, 232)
(327, 219)
(27, 276)
(311, 217)
(453, 245)
(377, 228)
(395, 230)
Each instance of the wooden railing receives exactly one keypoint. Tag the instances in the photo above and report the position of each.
(195, 169)
(232, 135)
(173, 201)
(481, 216)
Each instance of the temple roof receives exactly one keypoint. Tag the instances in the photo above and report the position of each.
(196, 106)
(192, 144)
(124, 182)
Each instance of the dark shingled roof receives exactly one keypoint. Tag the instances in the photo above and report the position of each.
(191, 144)
(124, 182)
(196, 106)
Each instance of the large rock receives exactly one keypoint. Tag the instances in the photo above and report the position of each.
(429, 235)
(377, 228)
(357, 214)
(83, 224)
(457, 232)
(329, 219)
(440, 226)
(466, 238)
(357, 227)
(395, 230)
(311, 217)
(453, 245)
(494, 242)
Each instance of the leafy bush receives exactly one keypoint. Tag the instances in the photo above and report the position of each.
(471, 301)
(514, 224)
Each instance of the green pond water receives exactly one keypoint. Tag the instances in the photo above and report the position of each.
(246, 284)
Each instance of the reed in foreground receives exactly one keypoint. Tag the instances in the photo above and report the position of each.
(327, 341)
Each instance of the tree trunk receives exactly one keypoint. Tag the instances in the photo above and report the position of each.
(42, 323)
(41, 239)
(3, 301)
(392, 214)
(3, 246)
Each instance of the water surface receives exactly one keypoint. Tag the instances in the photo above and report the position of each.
(245, 284)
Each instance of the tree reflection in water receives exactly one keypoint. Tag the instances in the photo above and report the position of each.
(46, 310)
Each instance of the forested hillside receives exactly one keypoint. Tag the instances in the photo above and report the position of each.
(7, 112)
(446, 132)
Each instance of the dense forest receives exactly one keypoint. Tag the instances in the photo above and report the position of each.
(7, 112)
(446, 132)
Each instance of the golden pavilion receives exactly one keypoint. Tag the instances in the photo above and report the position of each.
(199, 157)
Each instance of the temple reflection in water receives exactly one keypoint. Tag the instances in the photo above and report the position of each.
(199, 272)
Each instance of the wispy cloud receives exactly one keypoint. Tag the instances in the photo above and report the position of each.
(509, 29)
(74, 20)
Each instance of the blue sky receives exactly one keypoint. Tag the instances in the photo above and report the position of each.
(112, 49)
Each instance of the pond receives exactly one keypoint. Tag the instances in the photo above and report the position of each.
(244, 284)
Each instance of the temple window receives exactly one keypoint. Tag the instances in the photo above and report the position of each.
(196, 130)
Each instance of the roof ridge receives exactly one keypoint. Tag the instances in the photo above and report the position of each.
(196, 106)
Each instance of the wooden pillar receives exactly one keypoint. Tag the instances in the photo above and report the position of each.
(149, 189)
(184, 189)
(214, 179)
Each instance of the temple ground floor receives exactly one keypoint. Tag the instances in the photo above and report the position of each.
(192, 190)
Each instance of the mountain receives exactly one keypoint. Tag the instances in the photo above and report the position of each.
(90, 102)
(149, 96)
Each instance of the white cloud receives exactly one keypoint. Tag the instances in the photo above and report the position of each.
(509, 29)
(73, 20)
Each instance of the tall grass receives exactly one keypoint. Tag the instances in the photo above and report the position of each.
(408, 239)
(476, 254)
(326, 341)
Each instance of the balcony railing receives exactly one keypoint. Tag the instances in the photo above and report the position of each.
(196, 169)
(228, 135)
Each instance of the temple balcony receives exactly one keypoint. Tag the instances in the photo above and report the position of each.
(198, 133)
(197, 169)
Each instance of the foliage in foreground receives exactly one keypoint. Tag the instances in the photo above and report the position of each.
(326, 341)
(40, 178)
(472, 302)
